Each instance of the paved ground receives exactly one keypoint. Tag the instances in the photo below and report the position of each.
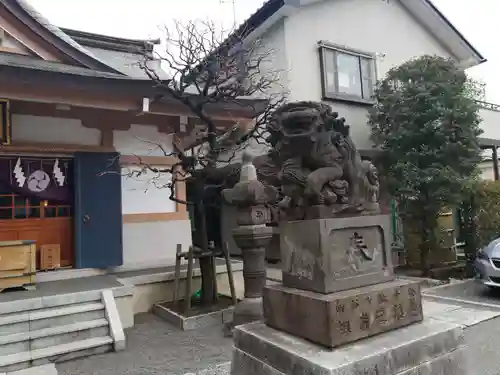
(467, 291)
(483, 343)
(52, 288)
(483, 339)
(156, 348)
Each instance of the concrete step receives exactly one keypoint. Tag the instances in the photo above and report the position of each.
(52, 331)
(67, 337)
(54, 351)
(57, 332)
(51, 312)
(86, 313)
(49, 369)
(50, 317)
(26, 341)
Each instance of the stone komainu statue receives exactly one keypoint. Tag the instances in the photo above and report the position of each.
(314, 162)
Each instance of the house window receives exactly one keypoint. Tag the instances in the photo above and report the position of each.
(347, 75)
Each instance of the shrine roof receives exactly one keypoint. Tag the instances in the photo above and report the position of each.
(75, 49)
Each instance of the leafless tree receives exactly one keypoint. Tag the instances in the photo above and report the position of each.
(206, 70)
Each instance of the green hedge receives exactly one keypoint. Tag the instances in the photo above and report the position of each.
(487, 203)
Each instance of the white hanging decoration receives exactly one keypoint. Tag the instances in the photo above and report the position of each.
(58, 173)
(19, 173)
(38, 181)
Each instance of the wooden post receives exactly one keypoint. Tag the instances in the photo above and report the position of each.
(230, 278)
(189, 279)
(177, 273)
(214, 271)
(496, 171)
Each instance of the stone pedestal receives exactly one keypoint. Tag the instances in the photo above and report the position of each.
(428, 348)
(273, 252)
(252, 235)
(340, 311)
(331, 255)
(339, 290)
(340, 318)
(253, 240)
(338, 285)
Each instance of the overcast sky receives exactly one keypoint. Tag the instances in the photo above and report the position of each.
(476, 19)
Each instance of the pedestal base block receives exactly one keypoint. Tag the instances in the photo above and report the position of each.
(427, 348)
(247, 311)
(343, 317)
(331, 255)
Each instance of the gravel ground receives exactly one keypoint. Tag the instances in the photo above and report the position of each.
(156, 348)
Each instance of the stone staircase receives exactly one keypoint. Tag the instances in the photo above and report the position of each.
(58, 328)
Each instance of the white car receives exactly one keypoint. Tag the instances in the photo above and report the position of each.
(487, 264)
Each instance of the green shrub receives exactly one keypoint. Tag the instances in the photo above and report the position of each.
(487, 203)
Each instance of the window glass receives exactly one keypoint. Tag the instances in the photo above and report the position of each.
(329, 73)
(367, 77)
(5, 200)
(349, 74)
(20, 208)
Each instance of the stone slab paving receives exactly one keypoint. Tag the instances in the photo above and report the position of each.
(465, 315)
(475, 306)
(70, 286)
(483, 347)
(38, 370)
(467, 292)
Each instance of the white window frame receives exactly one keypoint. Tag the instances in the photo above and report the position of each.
(367, 85)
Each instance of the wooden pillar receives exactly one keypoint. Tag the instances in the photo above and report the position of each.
(496, 172)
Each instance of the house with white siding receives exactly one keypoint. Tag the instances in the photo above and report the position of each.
(335, 50)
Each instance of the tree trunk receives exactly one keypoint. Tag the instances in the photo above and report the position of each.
(208, 277)
(470, 230)
(206, 269)
(429, 242)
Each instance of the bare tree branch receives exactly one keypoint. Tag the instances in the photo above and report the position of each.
(206, 67)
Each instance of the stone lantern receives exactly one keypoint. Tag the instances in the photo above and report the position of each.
(252, 236)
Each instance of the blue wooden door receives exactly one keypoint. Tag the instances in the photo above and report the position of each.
(98, 210)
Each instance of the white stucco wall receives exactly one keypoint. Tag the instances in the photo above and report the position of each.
(28, 128)
(375, 27)
(270, 48)
(385, 29)
(147, 192)
(144, 191)
(153, 243)
(142, 140)
(486, 169)
(490, 123)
